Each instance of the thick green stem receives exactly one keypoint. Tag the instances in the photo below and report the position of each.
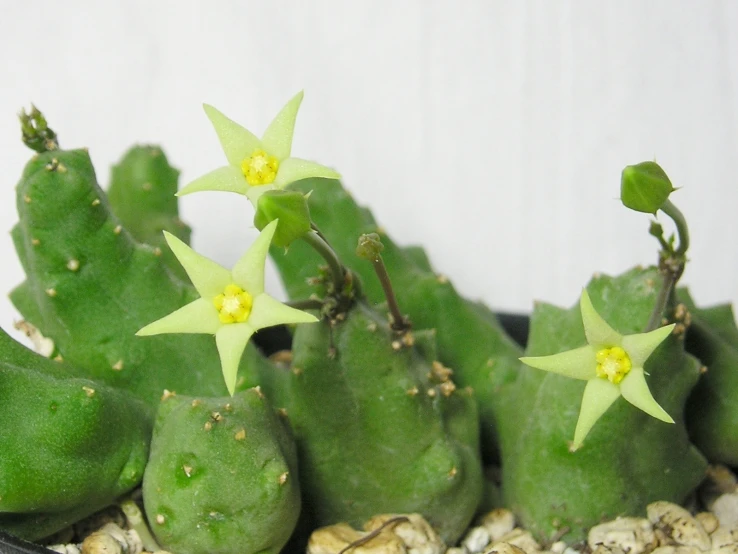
(667, 287)
(681, 225)
(671, 264)
(338, 272)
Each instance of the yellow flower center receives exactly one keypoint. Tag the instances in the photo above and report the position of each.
(234, 305)
(260, 168)
(613, 364)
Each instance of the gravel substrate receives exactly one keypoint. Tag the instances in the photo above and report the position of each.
(710, 526)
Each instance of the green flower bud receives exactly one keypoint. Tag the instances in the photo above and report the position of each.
(370, 247)
(656, 229)
(35, 131)
(645, 187)
(290, 208)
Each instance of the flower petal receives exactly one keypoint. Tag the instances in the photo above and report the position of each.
(198, 316)
(231, 340)
(238, 142)
(268, 311)
(208, 277)
(277, 139)
(599, 333)
(579, 363)
(599, 394)
(249, 269)
(635, 390)
(295, 169)
(226, 178)
(640, 346)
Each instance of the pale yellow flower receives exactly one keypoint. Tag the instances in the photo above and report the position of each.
(612, 365)
(232, 304)
(257, 165)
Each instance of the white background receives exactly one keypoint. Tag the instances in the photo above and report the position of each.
(492, 132)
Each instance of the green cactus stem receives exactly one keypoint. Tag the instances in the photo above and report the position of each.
(712, 413)
(222, 476)
(380, 426)
(470, 339)
(142, 196)
(69, 446)
(90, 286)
(629, 458)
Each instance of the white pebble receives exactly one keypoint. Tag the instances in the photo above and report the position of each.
(101, 543)
(724, 537)
(504, 548)
(602, 549)
(725, 509)
(334, 538)
(558, 547)
(634, 535)
(416, 534)
(476, 539)
(676, 526)
(677, 550)
(708, 521)
(730, 549)
(111, 539)
(498, 523)
(522, 539)
(411, 536)
(64, 548)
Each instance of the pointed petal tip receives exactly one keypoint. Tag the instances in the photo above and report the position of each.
(271, 226)
(267, 233)
(146, 331)
(172, 240)
(184, 191)
(661, 414)
(531, 361)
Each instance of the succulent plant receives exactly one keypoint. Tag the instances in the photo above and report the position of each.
(393, 395)
(200, 444)
(70, 446)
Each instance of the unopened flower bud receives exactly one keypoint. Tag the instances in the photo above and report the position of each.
(645, 187)
(290, 208)
(370, 247)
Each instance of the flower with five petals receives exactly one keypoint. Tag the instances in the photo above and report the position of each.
(232, 304)
(612, 365)
(257, 165)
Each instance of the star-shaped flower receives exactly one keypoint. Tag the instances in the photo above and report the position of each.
(612, 365)
(256, 166)
(233, 304)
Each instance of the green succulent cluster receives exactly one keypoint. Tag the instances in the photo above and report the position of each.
(395, 395)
